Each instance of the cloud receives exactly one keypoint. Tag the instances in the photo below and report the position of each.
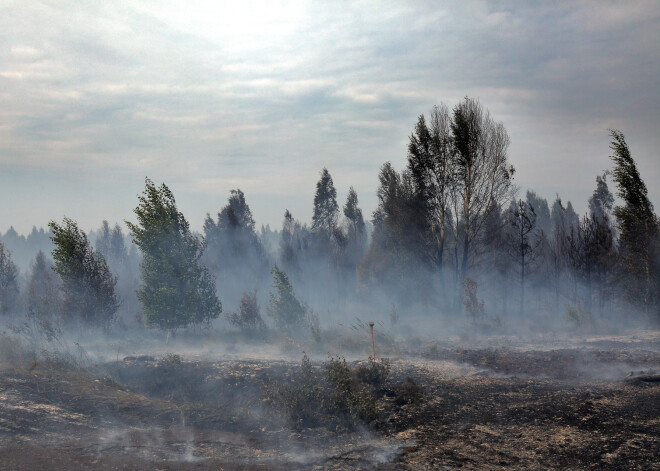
(210, 96)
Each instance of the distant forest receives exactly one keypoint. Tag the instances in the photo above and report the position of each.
(451, 238)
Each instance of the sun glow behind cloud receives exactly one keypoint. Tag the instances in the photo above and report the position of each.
(243, 24)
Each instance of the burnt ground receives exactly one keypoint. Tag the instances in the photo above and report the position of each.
(479, 408)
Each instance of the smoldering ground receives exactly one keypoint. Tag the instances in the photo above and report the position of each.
(493, 402)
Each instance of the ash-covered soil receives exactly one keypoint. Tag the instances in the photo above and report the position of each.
(444, 406)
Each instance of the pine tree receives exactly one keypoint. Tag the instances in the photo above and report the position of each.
(286, 310)
(638, 229)
(326, 211)
(103, 240)
(431, 165)
(601, 239)
(42, 295)
(118, 253)
(522, 243)
(176, 290)
(356, 234)
(602, 200)
(8, 281)
(542, 210)
(87, 286)
(232, 242)
(248, 318)
(557, 251)
(394, 244)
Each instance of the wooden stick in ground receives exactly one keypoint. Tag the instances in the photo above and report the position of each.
(373, 343)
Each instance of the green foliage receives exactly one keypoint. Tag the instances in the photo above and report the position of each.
(248, 317)
(373, 372)
(331, 398)
(8, 281)
(639, 240)
(395, 241)
(324, 218)
(42, 296)
(349, 396)
(234, 251)
(356, 234)
(172, 360)
(87, 286)
(353, 213)
(176, 290)
(286, 310)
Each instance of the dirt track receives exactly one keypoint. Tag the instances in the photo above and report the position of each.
(489, 408)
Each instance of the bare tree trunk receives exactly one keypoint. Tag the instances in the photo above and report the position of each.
(522, 284)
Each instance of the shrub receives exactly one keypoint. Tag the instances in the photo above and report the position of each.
(8, 281)
(474, 308)
(578, 316)
(408, 392)
(172, 360)
(286, 310)
(349, 396)
(248, 317)
(335, 397)
(374, 373)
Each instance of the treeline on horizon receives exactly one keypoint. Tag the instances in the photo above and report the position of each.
(450, 238)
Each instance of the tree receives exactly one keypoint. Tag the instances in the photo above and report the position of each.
(591, 253)
(326, 211)
(394, 245)
(248, 317)
(233, 238)
(557, 250)
(8, 281)
(87, 286)
(483, 175)
(234, 252)
(356, 234)
(493, 253)
(176, 290)
(103, 239)
(118, 252)
(638, 228)
(542, 210)
(431, 165)
(110, 243)
(601, 238)
(286, 310)
(474, 307)
(42, 295)
(602, 200)
(522, 221)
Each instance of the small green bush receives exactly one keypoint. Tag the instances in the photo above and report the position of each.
(333, 397)
(374, 373)
(172, 360)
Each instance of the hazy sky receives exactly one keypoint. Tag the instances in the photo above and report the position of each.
(208, 96)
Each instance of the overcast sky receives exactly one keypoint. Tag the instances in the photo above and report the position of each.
(207, 96)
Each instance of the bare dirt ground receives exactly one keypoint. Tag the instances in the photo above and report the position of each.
(591, 404)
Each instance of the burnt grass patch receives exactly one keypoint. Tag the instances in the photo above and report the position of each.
(517, 411)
